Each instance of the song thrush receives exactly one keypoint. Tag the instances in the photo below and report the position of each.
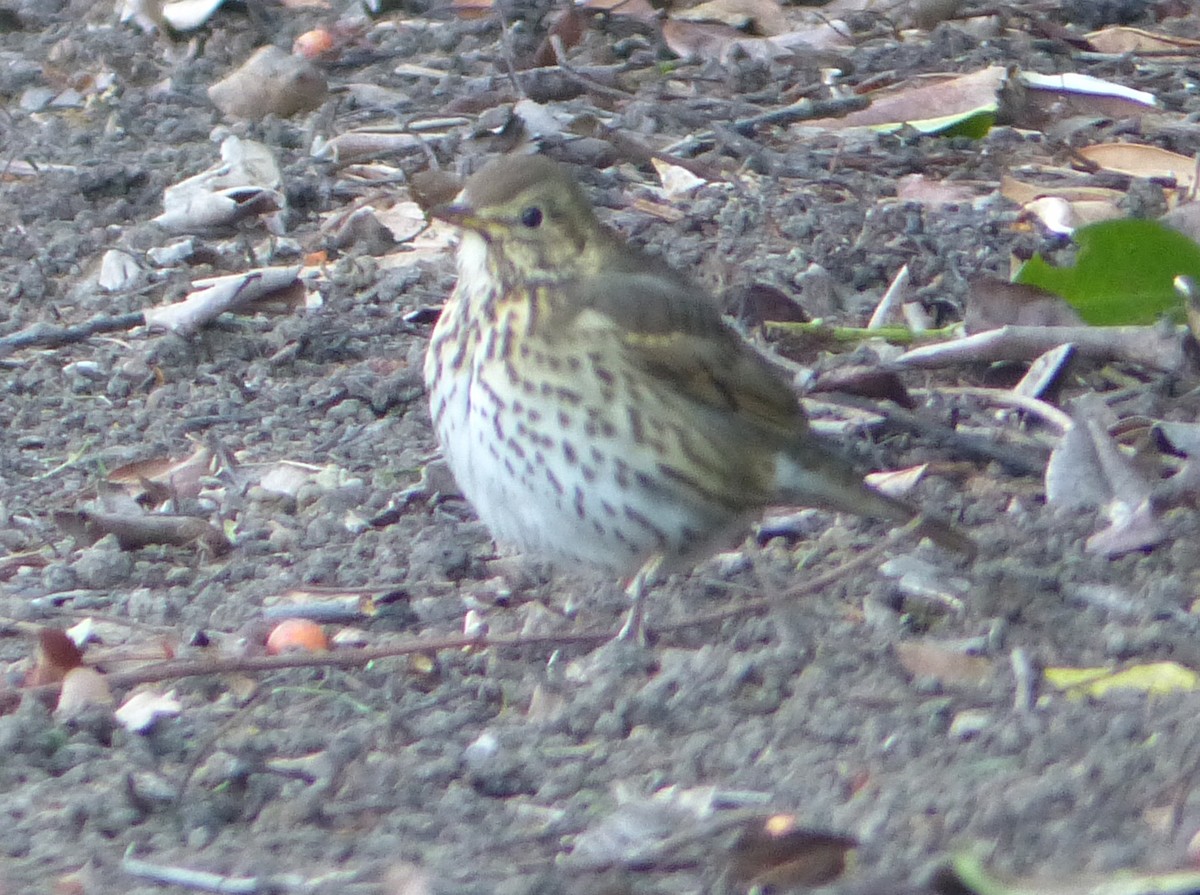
(593, 404)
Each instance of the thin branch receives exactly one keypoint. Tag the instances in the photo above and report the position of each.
(44, 335)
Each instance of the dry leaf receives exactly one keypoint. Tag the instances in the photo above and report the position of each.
(1087, 469)
(899, 482)
(246, 183)
(271, 82)
(81, 688)
(471, 9)
(993, 303)
(151, 482)
(1063, 217)
(217, 295)
(134, 531)
(760, 17)
(933, 97)
(775, 854)
(638, 10)
(141, 710)
(56, 655)
(1022, 193)
(1153, 678)
(1140, 160)
(677, 182)
(934, 193)
(1122, 39)
(946, 665)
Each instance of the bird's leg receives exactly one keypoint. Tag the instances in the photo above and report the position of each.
(634, 630)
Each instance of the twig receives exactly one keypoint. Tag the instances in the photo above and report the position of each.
(804, 110)
(560, 56)
(976, 447)
(1151, 346)
(169, 671)
(201, 880)
(811, 586)
(44, 335)
(1042, 409)
(896, 334)
(206, 747)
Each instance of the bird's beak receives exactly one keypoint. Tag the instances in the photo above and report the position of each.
(459, 215)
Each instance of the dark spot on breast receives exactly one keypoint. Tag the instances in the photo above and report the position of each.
(635, 425)
(639, 518)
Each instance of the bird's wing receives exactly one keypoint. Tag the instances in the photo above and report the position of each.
(670, 328)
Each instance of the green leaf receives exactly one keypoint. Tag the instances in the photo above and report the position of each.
(974, 123)
(1124, 272)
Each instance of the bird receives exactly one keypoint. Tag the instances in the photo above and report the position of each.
(597, 409)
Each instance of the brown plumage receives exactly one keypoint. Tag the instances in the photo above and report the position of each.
(594, 405)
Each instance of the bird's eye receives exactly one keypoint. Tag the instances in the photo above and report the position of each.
(531, 217)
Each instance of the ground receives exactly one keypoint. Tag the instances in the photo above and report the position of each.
(522, 770)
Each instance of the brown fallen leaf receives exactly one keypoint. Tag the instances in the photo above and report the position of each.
(947, 665)
(271, 81)
(82, 688)
(1141, 160)
(992, 303)
(56, 655)
(775, 854)
(136, 531)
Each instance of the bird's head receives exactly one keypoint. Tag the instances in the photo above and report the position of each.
(533, 219)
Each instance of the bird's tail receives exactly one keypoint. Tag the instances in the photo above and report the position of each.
(814, 474)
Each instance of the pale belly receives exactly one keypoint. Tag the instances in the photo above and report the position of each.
(553, 485)
(557, 467)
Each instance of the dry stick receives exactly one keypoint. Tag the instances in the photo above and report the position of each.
(249, 664)
(206, 747)
(973, 446)
(198, 879)
(1035, 406)
(43, 335)
(509, 57)
(560, 56)
(167, 671)
(813, 585)
(803, 110)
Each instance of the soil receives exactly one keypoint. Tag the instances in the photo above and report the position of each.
(560, 765)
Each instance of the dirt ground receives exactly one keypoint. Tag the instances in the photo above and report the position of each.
(554, 767)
